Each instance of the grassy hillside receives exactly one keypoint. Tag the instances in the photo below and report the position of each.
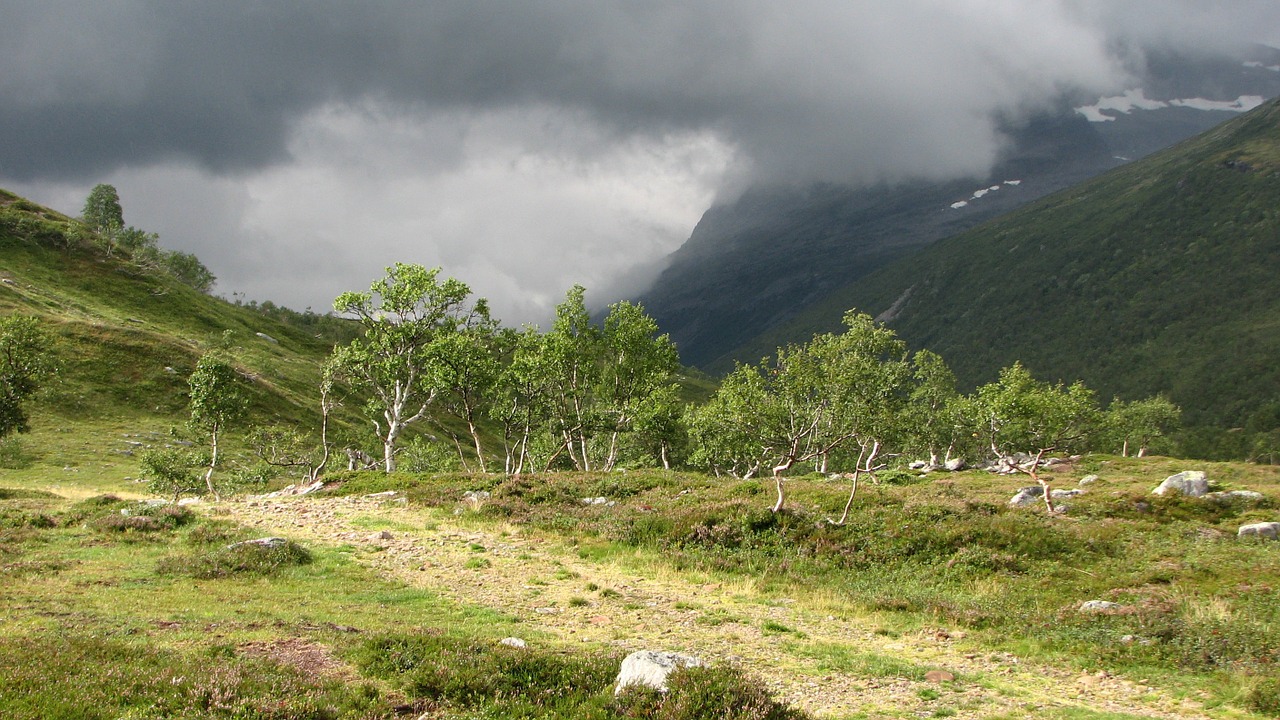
(1156, 277)
(126, 340)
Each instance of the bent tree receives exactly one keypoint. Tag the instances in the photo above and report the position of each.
(1019, 414)
(809, 401)
(407, 318)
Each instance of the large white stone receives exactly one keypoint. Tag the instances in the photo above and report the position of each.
(1191, 483)
(651, 668)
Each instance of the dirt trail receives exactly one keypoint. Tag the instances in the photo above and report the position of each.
(545, 583)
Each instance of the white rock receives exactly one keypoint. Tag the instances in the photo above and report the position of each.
(1269, 530)
(514, 642)
(1089, 479)
(651, 668)
(954, 465)
(1099, 606)
(1191, 483)
(270, 543)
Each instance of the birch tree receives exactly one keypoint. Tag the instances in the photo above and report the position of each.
(216, 402)
(406, 317)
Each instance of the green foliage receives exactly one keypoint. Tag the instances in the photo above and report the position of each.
(807, 403)
(483, 678)
(706, 692)
(239, 559)
(25, 360)
(1138, 424)
(1018, 413)
(102, 211)
(70, 675)
(187, 269)
(1109, 283)
(170, 472)
(409, 318)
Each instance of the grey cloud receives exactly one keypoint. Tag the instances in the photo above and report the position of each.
(807, 88)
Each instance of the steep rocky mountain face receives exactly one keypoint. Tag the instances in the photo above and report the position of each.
(751, 268)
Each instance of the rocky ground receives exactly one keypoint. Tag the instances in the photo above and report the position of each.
(558, 594)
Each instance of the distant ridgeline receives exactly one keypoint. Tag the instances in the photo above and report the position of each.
(1160, 276)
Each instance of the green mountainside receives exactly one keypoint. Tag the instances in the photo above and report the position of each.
(1158, 277)
(127, 339)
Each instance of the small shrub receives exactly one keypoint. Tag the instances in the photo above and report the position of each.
(724, 693)
(1264, 697)
(240, 559)
(142, 518)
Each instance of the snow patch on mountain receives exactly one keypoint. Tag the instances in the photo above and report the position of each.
(1137, 99)
(980, 193)
(1256, 64)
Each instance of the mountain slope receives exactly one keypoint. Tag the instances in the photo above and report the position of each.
(126, 339)
(757, 263)
(1159, 276)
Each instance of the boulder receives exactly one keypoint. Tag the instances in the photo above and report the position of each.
(514, 642)
(1027, 496)
(1267, 530)
(1095, 607)
(650, 668)
(1032, 494)
(269, 543)
(1230, 496)
(954, 465)
(1191, 483)
(1089, 479)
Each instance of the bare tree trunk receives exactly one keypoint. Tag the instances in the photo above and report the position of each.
(1044, 484)
(777, 480)
(213, 462)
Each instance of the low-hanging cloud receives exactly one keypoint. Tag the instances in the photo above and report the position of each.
(300, 147)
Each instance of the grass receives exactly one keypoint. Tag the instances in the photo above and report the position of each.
(923, 554)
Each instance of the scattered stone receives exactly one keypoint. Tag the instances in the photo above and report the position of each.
(1100, 606)
(1089, 479)
(294, 490)
(268, 338)
(1191, 483)
(650, 668)
(514, 642)
(913, 465)
(939, 676)
(269, 543)
(1027, 496)
(599, 501)
(189, 501)
(1243, 496)
(546, 610)
(954, 465)
(384, 535)
(384, 493)
(1267, 530)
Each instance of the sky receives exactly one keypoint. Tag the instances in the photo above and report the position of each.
(524, 146)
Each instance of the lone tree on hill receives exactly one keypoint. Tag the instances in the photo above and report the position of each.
(25, 360)
(102, 211)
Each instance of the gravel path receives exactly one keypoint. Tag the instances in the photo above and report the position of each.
(542, 580)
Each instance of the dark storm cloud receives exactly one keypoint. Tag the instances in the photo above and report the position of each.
(804, 88)
(525, 145)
